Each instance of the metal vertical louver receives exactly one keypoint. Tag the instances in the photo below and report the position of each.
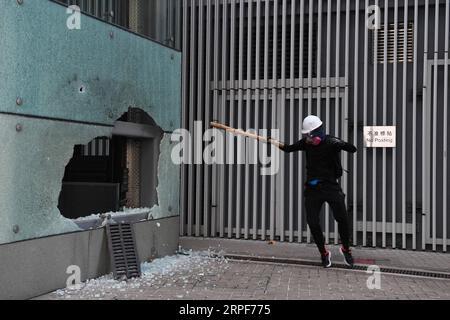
(401, 55)
(122, 248)
(295, 60)
(99, 147)
(260, 73)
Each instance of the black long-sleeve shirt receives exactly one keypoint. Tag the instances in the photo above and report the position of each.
(322, 161)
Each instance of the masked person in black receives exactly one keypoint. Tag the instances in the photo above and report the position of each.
(323, 168)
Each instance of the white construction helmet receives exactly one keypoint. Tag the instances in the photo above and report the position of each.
(311, 123)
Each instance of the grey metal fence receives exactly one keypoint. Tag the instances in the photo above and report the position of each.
(267, 64)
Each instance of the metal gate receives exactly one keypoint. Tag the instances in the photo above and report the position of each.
(264, 64)
(436, 164)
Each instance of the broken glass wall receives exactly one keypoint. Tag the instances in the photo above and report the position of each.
(159, 20)
(63, 86)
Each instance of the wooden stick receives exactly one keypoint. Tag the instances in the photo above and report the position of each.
(246, 134)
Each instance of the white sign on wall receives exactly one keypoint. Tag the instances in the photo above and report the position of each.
(379, 137)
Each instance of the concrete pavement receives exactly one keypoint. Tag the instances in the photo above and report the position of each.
(203, 276)
(389, 258)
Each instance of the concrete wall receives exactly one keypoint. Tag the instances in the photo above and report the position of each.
(35, 267)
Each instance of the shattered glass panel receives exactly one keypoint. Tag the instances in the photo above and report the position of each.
(34, 154)
(92, 74)
(168, 183)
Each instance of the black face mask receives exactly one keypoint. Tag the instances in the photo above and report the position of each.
(316, 137)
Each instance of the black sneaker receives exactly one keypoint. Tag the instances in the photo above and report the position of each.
(326, 259)
(348, 258)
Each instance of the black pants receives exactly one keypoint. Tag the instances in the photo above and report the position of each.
(315, 196)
